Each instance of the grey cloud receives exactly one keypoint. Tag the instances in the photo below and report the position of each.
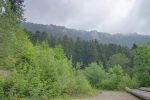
(144, 16)
(138, 19)
(89, 15)
(49, 11)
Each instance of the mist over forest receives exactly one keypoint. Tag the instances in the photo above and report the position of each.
(96, 49)
(122, 39)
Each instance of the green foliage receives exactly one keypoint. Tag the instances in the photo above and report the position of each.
(55, 65)
(142, 65)
(117, 79)
(82, 51)
(127, 81)
(36, 71)
(102, 37)
(9, 24)
(40, 72)
(119, 58)
(15, 86)
(95, 74)
(113, 79)
(1, 87)
(82, 85)
(1, 6)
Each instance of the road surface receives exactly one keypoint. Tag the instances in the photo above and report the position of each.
(112, 95)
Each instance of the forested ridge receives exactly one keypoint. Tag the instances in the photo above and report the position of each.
(43, 67)
(84, 51)
(102, 37)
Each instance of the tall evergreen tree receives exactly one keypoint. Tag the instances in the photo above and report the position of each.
(17, 7)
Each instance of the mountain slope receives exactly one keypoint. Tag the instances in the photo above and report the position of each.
(126, 40)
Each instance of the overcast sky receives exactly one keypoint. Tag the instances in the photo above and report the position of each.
(113, 16)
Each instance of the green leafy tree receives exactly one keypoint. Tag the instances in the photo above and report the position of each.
(95, 74)
(17, 7)
(117, 79)
(35, 71)
(118, 59)
(142, 65)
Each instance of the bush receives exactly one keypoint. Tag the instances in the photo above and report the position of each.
(41, 72)
(117, 80)
(126, 81)
(95, 74)
(82, 85)
(1, 87)
(118, 58)
(110, 83)
(142, 66)
(15, 86)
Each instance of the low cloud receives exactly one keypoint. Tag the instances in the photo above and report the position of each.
(121, 16)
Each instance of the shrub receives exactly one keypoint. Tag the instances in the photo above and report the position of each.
(110, 82)
(1, 87)
(15, 86)
(82, 85)
(117, 80)
(57, 72)
(126, 81)
(95, 74)
(41, 72)
(142, 65)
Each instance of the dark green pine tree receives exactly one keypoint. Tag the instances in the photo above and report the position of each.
(134, 46)
(17, 7)
(68, 46)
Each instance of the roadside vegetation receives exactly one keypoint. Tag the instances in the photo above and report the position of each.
(39, 71)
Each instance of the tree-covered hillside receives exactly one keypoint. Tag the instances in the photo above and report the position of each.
(82, 51)
(126, 40)
(38, 66)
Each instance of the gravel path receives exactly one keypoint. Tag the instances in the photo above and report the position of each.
(112, 95)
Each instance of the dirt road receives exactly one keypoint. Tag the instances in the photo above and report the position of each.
(112, 95)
